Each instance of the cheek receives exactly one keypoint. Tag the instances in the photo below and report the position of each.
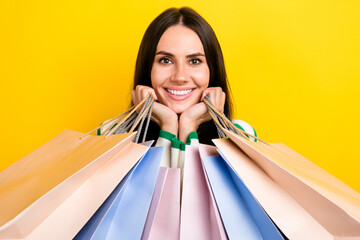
(155, 77)
(202, 78)
(158, 76)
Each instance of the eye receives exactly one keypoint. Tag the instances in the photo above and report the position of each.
(195, 61)
(165, 60)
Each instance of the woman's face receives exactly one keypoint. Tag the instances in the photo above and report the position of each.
(180, 73)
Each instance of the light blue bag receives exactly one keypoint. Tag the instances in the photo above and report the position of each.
(123, 214)
(242, 215)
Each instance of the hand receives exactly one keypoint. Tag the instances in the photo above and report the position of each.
(192, 117)
(165, 117)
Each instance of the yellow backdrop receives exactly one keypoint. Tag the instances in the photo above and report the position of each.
(293, 67)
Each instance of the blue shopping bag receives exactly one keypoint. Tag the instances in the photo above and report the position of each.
(242, 215)
(90, 227)
(123, 214)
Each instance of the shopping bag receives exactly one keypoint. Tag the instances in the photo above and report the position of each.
(218, 230)
(33, 187)
(198, 220)
(330, 202)
(125, 218)
(88, 230)
(48, 187)
(163, 220)
(242, 215)
(159, 185)
(293, 220)
(313, 188)
(82, 204)
(90, 227)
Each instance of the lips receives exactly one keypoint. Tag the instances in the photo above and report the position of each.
(179, 94)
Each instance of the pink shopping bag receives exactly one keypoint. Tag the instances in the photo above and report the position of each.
(199, 214)
(163, 221)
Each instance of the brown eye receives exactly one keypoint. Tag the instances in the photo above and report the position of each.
(165, 61)
(195, 61)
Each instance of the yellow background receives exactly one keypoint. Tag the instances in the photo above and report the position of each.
(293, 67)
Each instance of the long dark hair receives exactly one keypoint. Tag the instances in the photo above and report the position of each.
(145, 58)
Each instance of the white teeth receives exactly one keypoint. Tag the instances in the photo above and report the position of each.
(179, 93)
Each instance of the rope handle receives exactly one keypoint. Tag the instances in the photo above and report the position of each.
(107, 121)
(148, 100)
(215, 114)
(120, 119)
(220, 120)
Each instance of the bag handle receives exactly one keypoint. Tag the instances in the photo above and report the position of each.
(144, 110)
(129, 120)
(132, 119)
(222, 122)
(110, 120)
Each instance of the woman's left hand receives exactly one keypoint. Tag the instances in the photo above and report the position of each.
(192, 117)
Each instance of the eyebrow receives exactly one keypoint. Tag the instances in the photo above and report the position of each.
(188, 56)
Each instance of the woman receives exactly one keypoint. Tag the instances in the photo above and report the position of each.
(178, 63)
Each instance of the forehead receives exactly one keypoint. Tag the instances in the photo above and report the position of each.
(180, 39)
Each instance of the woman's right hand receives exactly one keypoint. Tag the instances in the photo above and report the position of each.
(165, 117)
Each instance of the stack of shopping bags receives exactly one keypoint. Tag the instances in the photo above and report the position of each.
(81, 186)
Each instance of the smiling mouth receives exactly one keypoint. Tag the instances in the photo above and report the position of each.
(179, 92)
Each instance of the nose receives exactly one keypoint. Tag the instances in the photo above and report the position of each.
(179, 75)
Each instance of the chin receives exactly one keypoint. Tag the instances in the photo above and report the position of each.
(179, 110)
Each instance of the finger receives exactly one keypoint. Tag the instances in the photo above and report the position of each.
(145, 91)
(133, 96)
(203, 96)
(223, 99)
(137, 94)
(207, 92)
(218, 92)
(212, 94)
(153, 94)
(217, 97)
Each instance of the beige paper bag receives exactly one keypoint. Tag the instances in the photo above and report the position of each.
(329, 201)
(32, 189)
